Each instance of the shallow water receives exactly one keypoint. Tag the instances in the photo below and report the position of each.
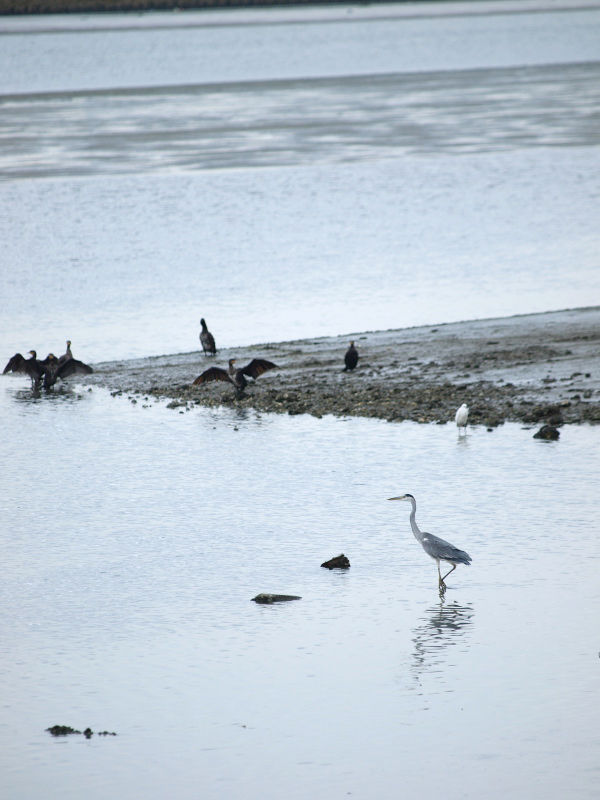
(323, 182)
(134, 543)
(278, 206)
(125, 267)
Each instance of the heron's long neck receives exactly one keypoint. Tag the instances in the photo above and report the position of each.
(413, 521)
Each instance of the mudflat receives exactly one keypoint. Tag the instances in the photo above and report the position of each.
(534, 368)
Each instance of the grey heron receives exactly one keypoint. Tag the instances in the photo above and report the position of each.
(207, 340)
(437, 548)
(462, 415)
(351, 357)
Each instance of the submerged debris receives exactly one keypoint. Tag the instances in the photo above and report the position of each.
(274, 598)
(61, 730)
(66, 730)
(339, 562)
(548, 432)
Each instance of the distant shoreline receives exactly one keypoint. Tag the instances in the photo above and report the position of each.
(20, 7)
(403, 8)
(535, 369)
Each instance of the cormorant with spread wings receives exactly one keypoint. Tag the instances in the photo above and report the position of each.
(56, 369)
(236, 375)
(30, 366)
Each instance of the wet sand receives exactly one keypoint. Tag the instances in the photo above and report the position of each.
(536, 368)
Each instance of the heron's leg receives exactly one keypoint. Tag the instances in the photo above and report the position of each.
(448, 573)
(441, 583)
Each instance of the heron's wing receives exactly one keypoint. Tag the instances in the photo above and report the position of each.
(73, 367)
(15, 364)
(212, 374)
(440, 548)
(257, 366)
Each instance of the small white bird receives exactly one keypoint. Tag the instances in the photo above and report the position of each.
(462, 415)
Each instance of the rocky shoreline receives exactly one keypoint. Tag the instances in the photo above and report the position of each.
(140, 6)
(536, 368)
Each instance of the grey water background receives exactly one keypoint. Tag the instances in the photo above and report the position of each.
(134, 543)
(287, 175)
(345, 169)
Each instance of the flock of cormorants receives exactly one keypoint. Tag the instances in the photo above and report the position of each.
(47, 371)
(237, 375)
(234, 375)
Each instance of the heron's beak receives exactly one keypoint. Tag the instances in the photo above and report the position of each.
(396, 498)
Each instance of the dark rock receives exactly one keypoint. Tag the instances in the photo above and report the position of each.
(61, 730)
(65, 730)
(548, 433)
(274, 598)
(339, 562)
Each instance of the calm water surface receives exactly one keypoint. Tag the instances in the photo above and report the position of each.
(372, 170)
(136, 536)
(335, 176)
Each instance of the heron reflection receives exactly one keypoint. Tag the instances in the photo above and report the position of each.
(443, 626)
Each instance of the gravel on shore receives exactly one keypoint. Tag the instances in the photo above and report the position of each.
(535, 368)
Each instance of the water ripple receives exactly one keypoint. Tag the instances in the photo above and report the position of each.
(292, 122)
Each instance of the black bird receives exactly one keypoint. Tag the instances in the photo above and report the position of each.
(68, 355)
(55, 370)
(30, 366)
(236, 376)
(207, 340)
(351, 357)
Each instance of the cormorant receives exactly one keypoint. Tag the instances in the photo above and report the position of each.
(236, 376)
(207, 340)
(351, 357)
(30, 366)
(55, 370)
(67, 355)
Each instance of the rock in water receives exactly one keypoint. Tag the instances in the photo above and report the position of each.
(61, 730)
(548, 432)
(339, 562)
(274, 598)
(66, 730)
